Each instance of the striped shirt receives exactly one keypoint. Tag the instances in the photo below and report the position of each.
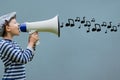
(14, 59)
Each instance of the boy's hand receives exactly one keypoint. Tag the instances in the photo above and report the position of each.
(33, 38)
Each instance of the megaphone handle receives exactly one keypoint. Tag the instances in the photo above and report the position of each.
(38, 42)
(32, 31)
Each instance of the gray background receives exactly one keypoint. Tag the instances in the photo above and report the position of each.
(76, 55)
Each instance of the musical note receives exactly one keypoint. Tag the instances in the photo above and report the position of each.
(94, 29)
(83, 21)
(87, 24)
(97, 29)
(79, 27)
(118, 24)
(106, 31)
(104, 24)
(109, 26)
(88, 30)
(70, 23)
(93, 20)
(114, 28)
(77, 19)
(62, 25)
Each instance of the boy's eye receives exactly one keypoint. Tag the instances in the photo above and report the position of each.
(15, 22)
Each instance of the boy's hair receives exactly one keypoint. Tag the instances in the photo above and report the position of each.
(6, 24)
(4, 21)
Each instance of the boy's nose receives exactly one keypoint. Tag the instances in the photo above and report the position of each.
(18, 24)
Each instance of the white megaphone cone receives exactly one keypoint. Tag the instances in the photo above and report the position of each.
(51, 25)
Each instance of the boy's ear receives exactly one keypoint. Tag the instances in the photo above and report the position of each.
(8, 28)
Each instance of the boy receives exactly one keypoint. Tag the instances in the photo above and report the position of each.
(11, 54)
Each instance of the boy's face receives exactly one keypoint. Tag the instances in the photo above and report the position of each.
(13, 27)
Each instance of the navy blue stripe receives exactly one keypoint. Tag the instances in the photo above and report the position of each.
(7, 63)
(16, 56)
(24, 59)
(4, 54)
(7, 79)
(2, 45)
(20, 78)
(16, 64)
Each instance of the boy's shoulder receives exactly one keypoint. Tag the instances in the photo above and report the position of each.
(8, 42)
(2, 41)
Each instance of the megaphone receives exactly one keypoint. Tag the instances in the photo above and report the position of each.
(51, 25)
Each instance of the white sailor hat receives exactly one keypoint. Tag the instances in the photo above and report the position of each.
(4, 18)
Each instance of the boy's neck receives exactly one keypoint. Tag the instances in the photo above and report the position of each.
(8, 37)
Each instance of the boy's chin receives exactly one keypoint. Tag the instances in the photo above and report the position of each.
(17, 34)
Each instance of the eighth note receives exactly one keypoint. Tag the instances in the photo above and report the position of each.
(104, 24)
(114, 28)
(109, 26)
(87, 24)
(88, 30)
(62, 25)
(77, 19)
(70, 23)
(83, 21)
(97, 29)
(93, 20)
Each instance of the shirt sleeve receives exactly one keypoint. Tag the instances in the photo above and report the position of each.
(17, 54)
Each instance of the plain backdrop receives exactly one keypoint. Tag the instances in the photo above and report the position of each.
(76, 54)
